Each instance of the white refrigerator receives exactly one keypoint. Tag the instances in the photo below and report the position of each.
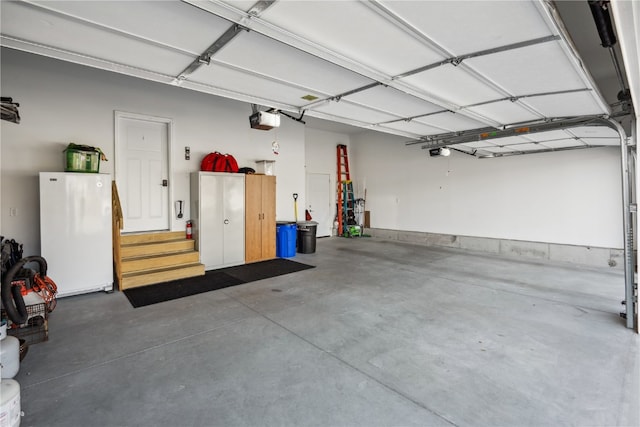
(75, 231)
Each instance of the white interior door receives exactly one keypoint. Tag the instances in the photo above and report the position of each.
(142, 171)
(319, 202)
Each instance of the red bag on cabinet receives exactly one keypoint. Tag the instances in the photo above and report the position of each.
(218, 162)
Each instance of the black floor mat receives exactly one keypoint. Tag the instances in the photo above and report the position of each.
(265, 269)
(212, 280)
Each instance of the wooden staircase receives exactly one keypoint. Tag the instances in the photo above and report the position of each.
(148, 258)
(157, 257)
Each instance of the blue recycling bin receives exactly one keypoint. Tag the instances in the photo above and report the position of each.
(286, 239)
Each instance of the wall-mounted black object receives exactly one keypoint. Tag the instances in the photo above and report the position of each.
(9, 110)
(600, 12)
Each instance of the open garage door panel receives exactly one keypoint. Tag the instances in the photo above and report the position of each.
(415, 69)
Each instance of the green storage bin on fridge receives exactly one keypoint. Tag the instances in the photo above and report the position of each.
(81, 161)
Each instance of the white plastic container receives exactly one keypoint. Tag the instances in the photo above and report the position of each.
(10, 403)
(3, 329)
(9, 357)
(266, 167)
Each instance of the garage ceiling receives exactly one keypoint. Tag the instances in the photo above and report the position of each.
(412, 68)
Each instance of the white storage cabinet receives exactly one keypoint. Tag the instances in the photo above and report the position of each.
(217, 211)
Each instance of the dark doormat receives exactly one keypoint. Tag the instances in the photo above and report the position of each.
(212, 280)
(265, 269)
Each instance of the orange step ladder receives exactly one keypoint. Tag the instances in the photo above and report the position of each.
(344, 191)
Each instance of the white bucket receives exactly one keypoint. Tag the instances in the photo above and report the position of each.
(10, 403)
(9, 357)
(3, 329)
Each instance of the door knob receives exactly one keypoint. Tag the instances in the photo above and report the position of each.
(226, 221)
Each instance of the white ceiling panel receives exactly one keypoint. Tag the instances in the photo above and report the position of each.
(172, 23)
(465, 147)
(355, 31)
(548, 136)
(602, 141)
(512, 141)
(450, 121)
(244, 5)
(565, 105)
(509, 140)
(474, 25)
(477, 144)
(230, 79)
(257, 53)
(390, 99)
(453, 84)
(527, 70)
(27, 22)
(563, 143)
(498, 149)
(351, 111)
(593, 132)
(528, 147)
(419, 129)
(505, 112)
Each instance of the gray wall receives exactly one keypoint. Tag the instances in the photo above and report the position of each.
(570, 197)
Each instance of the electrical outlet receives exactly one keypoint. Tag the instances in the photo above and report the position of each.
(13, 212)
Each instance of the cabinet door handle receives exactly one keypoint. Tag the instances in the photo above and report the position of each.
(226, 221)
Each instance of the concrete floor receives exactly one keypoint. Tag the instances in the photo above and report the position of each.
(380, 333)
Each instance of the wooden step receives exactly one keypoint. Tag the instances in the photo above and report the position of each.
(137, 279)
(156, 247)
(146, 262)
(128, 239)
(156, 257)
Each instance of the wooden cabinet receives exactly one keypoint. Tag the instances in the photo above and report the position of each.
(217, 210)
(260, 217)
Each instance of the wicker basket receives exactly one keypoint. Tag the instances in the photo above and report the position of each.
(35, 329)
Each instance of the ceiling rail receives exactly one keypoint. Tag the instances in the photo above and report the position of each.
(476, 135)
(223, 40)
(457, 60)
